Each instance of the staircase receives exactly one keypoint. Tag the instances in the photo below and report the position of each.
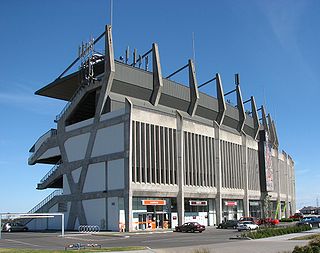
(46, 203)
(50, 177)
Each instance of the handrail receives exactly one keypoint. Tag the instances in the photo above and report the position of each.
(66, 107)
(50, 172)
(46, 200)
(41, 140)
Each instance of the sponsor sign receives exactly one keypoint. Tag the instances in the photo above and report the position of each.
(230, 203)
(153, 202)
(268, 164)
(198, 203)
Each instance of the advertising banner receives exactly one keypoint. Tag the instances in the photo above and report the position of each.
(268, 164)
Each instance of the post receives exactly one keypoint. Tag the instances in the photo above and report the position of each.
(62, 224)
(0, 225)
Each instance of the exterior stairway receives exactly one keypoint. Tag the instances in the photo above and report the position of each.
(52, 178)
(45, 204)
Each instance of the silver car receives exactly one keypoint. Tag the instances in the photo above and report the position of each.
(14, 227)
(247, 225)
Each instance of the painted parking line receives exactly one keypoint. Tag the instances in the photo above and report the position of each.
(24, 243)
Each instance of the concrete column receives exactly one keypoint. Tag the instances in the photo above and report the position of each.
(180, 169)
(217, 166)
(279, 183)
(127, 167)
(288, 176)
(244, 169)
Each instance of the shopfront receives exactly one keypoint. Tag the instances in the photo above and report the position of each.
(232, 209)
(197, 210)
(155, 213)
(255, 208)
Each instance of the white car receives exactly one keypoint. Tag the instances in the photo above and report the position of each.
(247, 225)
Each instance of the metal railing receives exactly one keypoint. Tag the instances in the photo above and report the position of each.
(46, 200)
(43, 139)
(66, 107)
(50, 173)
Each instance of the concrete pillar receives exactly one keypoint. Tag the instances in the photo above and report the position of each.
(279, 184)
(180, 169)
(217, 166)
(288, 175)
(245, 171)
(127, 167)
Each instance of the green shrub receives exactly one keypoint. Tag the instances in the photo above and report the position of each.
(269, 232)
(289, 219)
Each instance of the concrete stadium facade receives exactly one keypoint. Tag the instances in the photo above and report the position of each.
(134, 150)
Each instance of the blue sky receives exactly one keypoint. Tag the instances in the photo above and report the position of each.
(273, 44)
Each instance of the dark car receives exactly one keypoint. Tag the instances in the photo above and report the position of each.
(310, 221)
(14, 227)
(228, 224)
(190, 227)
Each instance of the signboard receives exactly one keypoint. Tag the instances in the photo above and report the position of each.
(268, 164)
(230, 203)
(153, 202)
(198, 203)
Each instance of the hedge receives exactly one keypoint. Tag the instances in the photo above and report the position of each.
(269, 232)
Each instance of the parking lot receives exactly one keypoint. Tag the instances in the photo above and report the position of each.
(154, 240)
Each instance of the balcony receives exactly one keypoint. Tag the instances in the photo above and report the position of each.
(46, 149)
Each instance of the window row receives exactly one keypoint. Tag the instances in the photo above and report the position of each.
(198, 160)
(231, 165)
(153, 154)
(253, 170)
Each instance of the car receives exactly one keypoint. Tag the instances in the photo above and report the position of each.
(228, 224)
(268, 222)
(296, 216)
(190, 227)
(14, 227)
(253, 219)
(309, 221)
(247, 225)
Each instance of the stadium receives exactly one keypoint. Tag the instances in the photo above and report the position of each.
(135, 150)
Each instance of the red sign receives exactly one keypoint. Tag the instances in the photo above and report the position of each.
(151, 202)
(230, 203)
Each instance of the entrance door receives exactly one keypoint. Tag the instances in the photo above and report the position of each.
(142, 221)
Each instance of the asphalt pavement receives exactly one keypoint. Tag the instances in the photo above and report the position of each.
(213, 240)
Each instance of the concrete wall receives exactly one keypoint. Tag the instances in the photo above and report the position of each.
(76, 147)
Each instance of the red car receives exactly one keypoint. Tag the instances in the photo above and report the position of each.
(190, 227)
(268, 221)
(296, 216)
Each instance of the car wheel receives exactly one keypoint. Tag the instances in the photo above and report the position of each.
(192, 230)
(219, 226)
(9, 230)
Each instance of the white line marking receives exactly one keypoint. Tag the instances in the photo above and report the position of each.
(25, 243)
